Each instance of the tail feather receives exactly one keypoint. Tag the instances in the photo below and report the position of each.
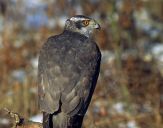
(61, 120)
(47, 120)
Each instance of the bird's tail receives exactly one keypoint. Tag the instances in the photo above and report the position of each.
(47, 120)
(61, 120)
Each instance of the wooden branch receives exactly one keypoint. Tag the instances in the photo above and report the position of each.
(20, 122)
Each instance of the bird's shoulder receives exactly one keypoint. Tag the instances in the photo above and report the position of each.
(71, 44)
(68, 38)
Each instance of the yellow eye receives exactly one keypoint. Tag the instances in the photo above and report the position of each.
(85, 22)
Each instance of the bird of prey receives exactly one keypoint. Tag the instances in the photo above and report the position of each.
(68, 69)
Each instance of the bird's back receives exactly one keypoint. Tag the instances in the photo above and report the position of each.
(68, 69)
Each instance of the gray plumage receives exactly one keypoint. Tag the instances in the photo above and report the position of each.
(68, 69)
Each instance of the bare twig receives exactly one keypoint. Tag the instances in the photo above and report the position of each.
(20, 122)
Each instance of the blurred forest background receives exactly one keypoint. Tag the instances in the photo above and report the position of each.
(129, 93)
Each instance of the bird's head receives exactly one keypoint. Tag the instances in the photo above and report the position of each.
(81, 24)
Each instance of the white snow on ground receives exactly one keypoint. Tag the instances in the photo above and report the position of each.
(36, 118)
(157, 51)
(119, 107)
(4, 121)
(131, 124)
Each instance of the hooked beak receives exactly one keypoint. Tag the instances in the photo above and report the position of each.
(96, 25)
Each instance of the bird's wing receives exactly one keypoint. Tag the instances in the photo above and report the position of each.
(67, 74)
(46, 100)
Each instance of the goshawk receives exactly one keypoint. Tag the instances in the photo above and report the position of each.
(68, 69)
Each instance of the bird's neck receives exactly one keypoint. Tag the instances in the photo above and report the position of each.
(82, 31)
(74, 33)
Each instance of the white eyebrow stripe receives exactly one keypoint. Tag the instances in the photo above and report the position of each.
(77, 18)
